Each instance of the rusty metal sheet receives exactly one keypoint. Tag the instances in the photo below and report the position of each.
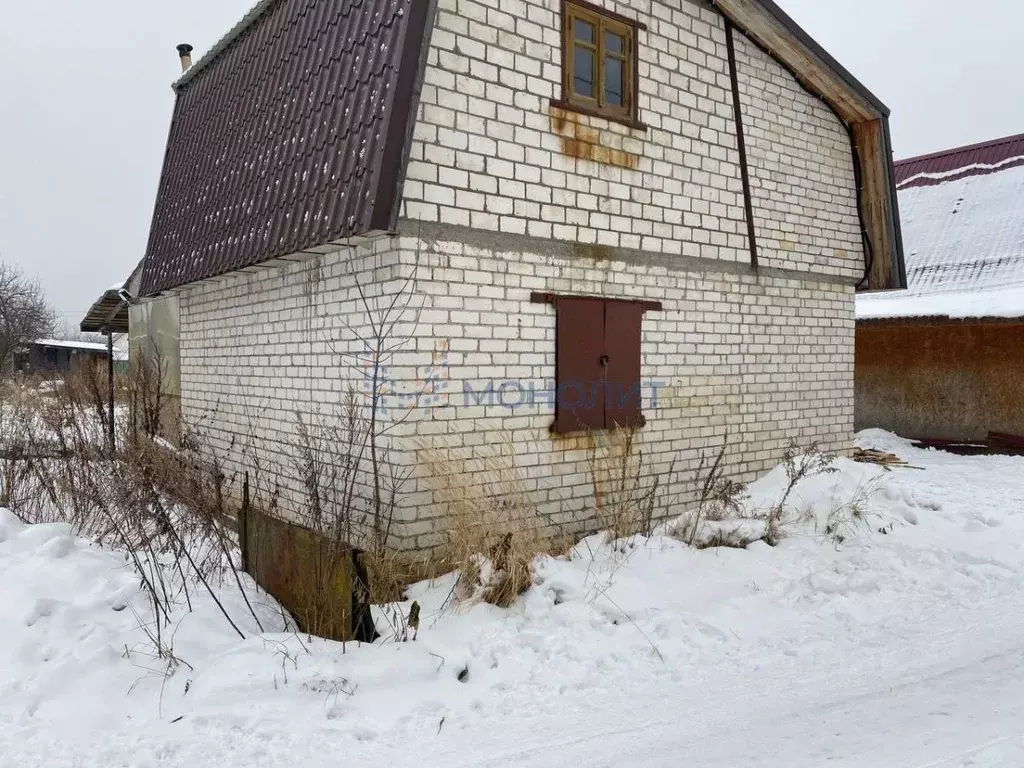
(622, 332)
(579, 373)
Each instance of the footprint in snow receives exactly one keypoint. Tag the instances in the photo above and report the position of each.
(981, 523)
(57, 547)
(44, 608)
(364, 733)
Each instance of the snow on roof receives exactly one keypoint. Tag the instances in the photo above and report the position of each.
(120, 353)
(1002, 303)
(964, 243)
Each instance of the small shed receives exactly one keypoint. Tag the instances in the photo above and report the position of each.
(49, 356)
(944, 359)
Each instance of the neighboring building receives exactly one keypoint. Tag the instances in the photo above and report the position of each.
(945, 359)
(50, 356)
(547, 204)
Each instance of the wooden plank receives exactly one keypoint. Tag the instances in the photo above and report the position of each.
(749, 16)
(870, 140)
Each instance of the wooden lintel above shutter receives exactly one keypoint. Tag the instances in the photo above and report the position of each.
(551, 298)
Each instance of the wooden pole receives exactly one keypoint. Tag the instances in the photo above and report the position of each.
(110, 390)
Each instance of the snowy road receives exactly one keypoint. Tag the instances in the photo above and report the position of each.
(969, 715)
(956, 700)
(903, 649)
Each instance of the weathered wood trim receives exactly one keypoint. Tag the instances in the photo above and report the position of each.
(538, 297)
(880, 217)
(815, 74)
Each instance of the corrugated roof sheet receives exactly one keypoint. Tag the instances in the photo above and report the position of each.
(292, 135)
(974, 160)
(108, 312)
(963, 233)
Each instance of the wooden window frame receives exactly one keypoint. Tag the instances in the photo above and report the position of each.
(611, 352)
(602, 20)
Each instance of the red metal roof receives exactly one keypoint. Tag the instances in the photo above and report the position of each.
(291, 134)
(948, 165)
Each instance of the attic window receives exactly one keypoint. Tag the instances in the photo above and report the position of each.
(597, 362)
(599, 56)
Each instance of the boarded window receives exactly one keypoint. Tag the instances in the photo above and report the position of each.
(599, 55)
(597, 362)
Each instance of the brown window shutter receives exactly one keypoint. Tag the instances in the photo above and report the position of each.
(622, 330)
(579, 374)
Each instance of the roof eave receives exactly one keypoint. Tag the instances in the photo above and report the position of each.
(108, 312)
(899, 265)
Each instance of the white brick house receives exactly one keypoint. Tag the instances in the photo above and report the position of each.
(704, 166)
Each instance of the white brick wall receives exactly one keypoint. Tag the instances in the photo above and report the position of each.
(260, 348)
(764, 360)
(761, 359)
(497, 203)
(489, 152)
(801, 171)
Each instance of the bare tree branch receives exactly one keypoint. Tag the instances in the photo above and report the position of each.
(25, 314)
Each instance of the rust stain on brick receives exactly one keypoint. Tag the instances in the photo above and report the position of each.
(584, 142)
(580, 441)
(593, 251)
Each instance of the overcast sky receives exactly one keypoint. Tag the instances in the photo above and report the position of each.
(85, 106)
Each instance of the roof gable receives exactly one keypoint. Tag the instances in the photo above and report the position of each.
(866, 116)
(289, 135)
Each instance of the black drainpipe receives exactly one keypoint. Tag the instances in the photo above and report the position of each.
(741, 143)
(869, 250)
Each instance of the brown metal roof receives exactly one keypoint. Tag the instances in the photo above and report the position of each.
(291, 134)
(951, 164)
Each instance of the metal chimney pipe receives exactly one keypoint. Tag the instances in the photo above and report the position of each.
(185, 54)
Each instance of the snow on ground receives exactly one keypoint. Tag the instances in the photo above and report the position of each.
(901, 648)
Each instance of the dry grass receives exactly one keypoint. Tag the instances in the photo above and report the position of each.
(493, 528)
(161, 507)
(717, 497)
(799, 464)
(626, 490)
(389, 572)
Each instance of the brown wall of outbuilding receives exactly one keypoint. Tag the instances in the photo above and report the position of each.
(940, 379)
